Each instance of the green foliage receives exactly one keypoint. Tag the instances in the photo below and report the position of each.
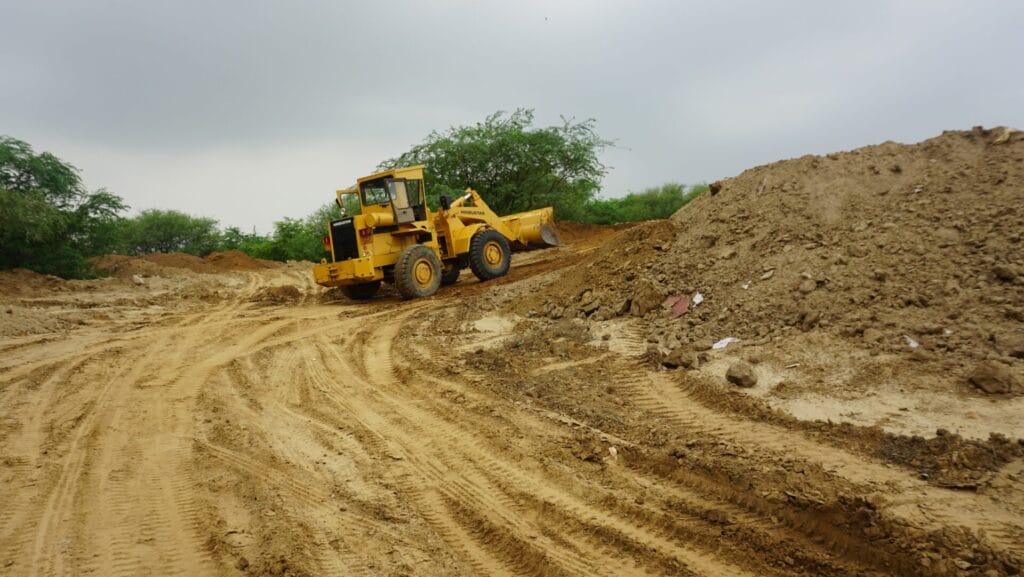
(169, 231)
(299, 239)
(252, 244)
(49, 222)
(512, 164)
(43, 174)
(173, 231)
(653, 203)
(100, 232)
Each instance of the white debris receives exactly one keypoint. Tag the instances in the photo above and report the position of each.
(697, 299)
(911, 342)
(725, 342)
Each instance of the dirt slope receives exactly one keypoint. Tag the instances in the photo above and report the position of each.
(172, 263)
(236, 436)
(891, 275)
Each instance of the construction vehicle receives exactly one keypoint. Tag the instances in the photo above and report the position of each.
(387, 233)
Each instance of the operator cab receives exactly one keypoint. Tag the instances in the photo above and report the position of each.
(403, 197)
(398, 193)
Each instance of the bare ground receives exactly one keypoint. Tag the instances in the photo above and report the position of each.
(218, 424)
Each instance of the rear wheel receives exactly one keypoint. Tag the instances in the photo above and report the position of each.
(417, 272)
(489, 254)
(361, 292)
(450, 273)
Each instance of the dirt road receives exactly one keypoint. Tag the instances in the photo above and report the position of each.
(223, 436)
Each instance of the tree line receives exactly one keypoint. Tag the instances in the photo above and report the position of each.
(50, 223)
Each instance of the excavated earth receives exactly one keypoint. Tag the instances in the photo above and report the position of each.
(225, 416)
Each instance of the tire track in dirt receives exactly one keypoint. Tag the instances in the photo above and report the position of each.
(294, 434)
(48, 556)
(479, 462)
(382, 435)
(375, 436)
(159, 488)
(657, 394)
(25, 449)
(811, 542)
(165, 510)
(328, 440)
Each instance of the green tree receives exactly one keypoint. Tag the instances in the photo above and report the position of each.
(514, 165)
(49, 222)
(299, 239)
(252, 244)
(653, 203)
(170, 231)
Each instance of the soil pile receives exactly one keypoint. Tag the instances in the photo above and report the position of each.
(277, 295)
(22, 282)
(152, 264)
(157, 263)
(908, 251)
(236, 260)
(18, 320)
(24, 295)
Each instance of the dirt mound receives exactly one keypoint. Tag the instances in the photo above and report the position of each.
(180, 260)
(907, 255)
(158, 263)
(236, 260)
(125, 266)
(18, 320)
(152, 264)
(20, 281)
(602, 286)
(278, 295)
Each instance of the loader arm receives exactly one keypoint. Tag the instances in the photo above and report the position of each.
(525, 228)
(479, 212)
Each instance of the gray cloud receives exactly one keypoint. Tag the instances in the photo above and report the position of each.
(250, 111)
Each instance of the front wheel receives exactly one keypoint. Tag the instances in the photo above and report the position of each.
(489, 254)
(417, 272)
(450, 273)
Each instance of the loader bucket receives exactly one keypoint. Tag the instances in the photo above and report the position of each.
(549, 234)
(536, 227)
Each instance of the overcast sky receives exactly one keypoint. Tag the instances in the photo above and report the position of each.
(249, 111)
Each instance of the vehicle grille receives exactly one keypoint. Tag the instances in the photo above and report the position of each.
(343, 240)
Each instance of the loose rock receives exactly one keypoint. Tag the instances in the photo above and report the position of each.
(679, 358)
(742, 374)
(994, 378)
(1004, 273)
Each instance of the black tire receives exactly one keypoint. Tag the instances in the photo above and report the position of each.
(417, 272)
(361, 292)
(489, 254)
(450, 273)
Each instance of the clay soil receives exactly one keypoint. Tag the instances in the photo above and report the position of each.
(216, 417)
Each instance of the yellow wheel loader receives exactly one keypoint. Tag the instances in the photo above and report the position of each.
(388, 234)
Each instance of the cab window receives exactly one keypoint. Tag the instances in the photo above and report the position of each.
(399, 193)
(413, 189)
(375, 192)
(348, 202)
